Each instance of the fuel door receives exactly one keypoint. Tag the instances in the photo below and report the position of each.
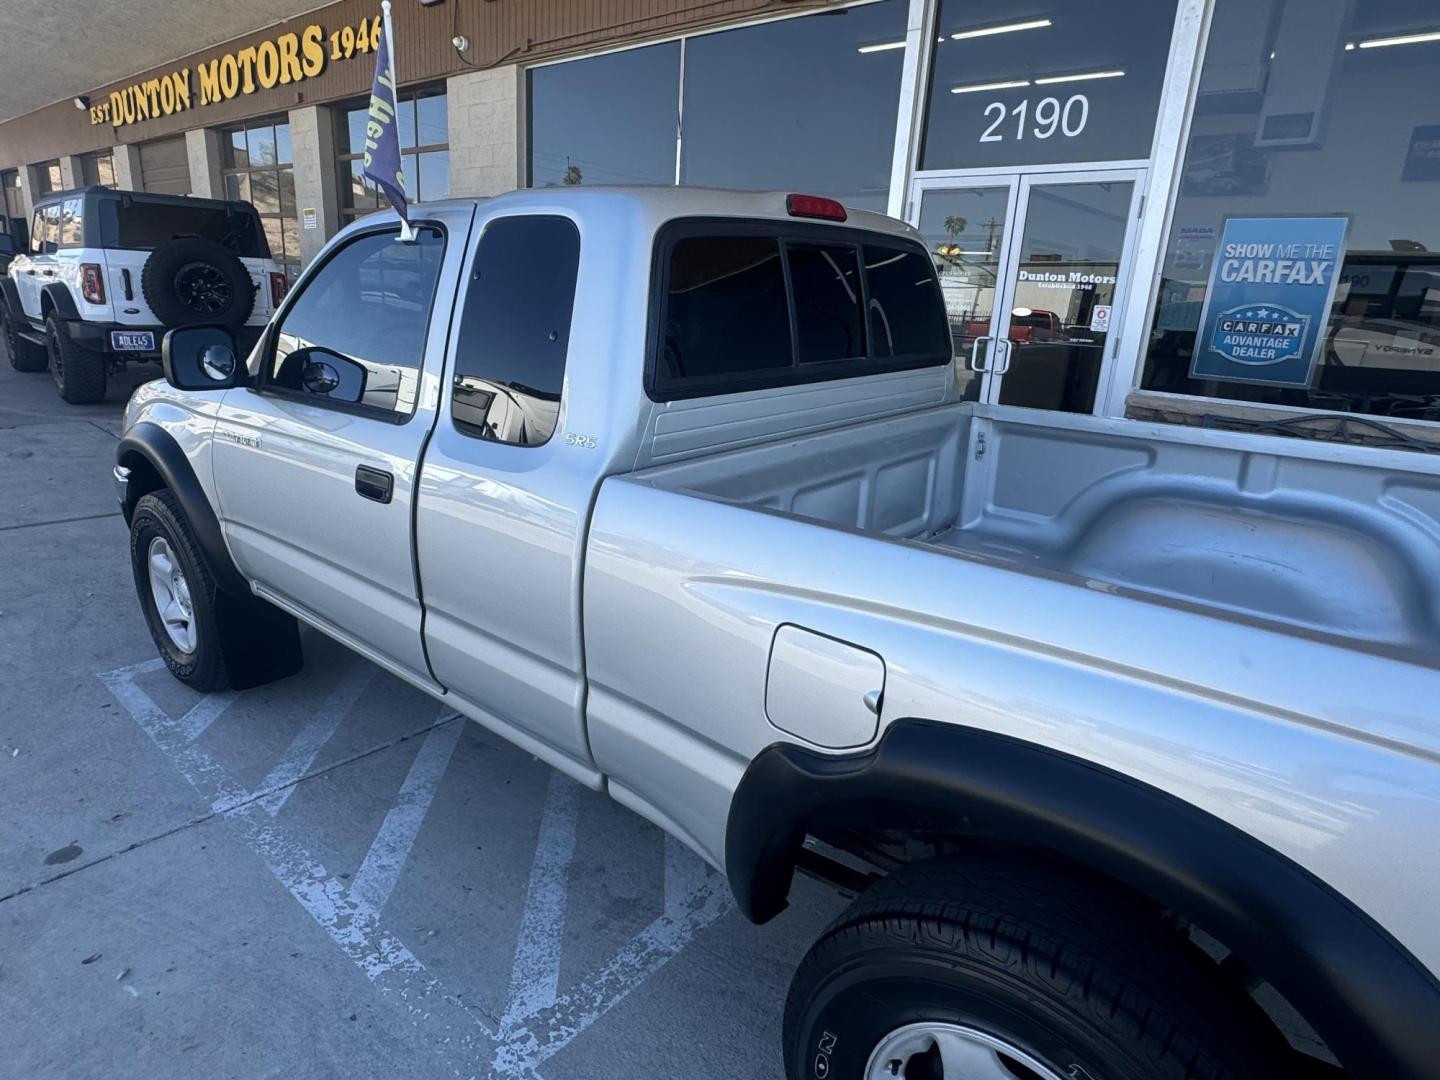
(823, 690)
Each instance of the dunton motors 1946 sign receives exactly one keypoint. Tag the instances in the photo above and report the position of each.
(279, 61)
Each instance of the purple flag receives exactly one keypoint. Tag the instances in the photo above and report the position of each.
(382, 132)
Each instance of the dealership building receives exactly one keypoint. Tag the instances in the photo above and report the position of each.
(1198, 211)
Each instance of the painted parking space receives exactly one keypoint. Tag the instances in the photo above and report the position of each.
(332, 875)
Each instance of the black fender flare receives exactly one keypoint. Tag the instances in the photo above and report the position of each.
(11, 296)
(1368, 997)
(60, 299)
(150, 443)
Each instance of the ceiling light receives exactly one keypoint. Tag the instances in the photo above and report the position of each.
(1050, 80)
(1402, 39)
(989, 86)
(1007, 28)
(881, 48)
(82, 102)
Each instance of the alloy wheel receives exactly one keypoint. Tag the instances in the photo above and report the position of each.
(942, 1051)
(170, 593)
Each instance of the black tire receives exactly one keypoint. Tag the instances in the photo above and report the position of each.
(79, 373)
(159, 515)
(24, 355)
(1082, 977)
(197, 283)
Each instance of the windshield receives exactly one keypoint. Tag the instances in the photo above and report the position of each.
(144, 224)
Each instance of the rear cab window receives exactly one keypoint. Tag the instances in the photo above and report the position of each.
(749, 305)
(137, 224)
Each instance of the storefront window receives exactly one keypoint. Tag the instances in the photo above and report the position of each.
(608, 119)
(47, 178)
(259, 170)
(1303, 263)
(98, 169)
(11, 204)
(424, 139)
(1026, 82)
(802, 104)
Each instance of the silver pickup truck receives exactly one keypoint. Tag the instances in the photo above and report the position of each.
(1126, 736)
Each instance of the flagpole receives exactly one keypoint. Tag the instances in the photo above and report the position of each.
(407, 234)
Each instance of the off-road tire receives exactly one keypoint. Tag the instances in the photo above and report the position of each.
(80, 373)
(174, 270)
(24, 355)
(159, 514)
(1068, 969)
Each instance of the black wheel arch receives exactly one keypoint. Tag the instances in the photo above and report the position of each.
(11, 297)
(56, 297)
(155, 460)
(1368, 997)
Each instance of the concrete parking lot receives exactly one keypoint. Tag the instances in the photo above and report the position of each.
(329, 876)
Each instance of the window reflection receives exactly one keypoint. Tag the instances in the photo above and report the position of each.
(795, 105)
(1022, 83)
(356, 335)
(1322, 119)
(606, 119)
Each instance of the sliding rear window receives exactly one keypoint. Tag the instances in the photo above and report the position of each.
(750, 305)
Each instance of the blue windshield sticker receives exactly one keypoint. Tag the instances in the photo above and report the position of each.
(1271, 286)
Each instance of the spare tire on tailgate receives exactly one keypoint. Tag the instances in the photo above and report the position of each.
(195, 282)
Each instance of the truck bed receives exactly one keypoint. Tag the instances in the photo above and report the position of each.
(1246, 623)
(1346, 550)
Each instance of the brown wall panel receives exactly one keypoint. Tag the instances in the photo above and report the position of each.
(499, 32)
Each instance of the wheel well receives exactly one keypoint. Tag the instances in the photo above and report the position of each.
(855, 857)
(930, 787)
(144, 478)
(47, 305)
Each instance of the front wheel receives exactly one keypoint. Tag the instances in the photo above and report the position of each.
(177, 592)
(24, 356)
(1001, 970)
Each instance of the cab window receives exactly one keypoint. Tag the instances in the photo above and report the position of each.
(355, 335)
(71, 226)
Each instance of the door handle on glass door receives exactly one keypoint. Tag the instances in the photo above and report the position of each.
(1003, 352)
(975, 364)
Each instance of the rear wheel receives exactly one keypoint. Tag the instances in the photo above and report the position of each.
(1003, 970)
(24, 355)
(79, 373)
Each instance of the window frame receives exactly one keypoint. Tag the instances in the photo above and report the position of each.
(661, 387)
(344, 155)
(259, 382)
(289, 262)
(452, 370)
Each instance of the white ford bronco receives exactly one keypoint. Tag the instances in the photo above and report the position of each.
(106, 273)
(1125, 736)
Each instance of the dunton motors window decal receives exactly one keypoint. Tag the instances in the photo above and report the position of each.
(1268, 300)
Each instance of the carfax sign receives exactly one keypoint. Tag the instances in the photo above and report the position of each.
(1271, 286)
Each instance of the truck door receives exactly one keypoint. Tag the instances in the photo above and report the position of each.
(504, 494)
(315, 464)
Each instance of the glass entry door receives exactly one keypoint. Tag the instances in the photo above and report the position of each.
(1033, 272)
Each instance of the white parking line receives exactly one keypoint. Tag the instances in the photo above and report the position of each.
(535, 972)
(538, 1020)
(312, 737)
(204, 713)
(383, 862)
(694, 898)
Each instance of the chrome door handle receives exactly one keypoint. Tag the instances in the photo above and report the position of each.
(975, 352)
(1004, 354)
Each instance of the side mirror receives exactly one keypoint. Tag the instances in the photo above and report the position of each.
(201, 358)
(323, 373)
